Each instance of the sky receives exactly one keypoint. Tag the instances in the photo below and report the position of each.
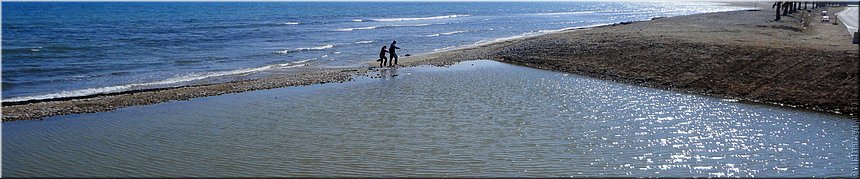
(413, 0)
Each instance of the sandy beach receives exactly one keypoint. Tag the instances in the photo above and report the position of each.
(740, 55)
(743, 55)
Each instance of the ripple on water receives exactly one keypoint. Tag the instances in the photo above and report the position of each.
(486, 119)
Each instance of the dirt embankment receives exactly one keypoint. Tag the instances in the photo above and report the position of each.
(743, 55)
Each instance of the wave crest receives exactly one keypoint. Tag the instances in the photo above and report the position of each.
(447, 33)
(356, 28)
(419, 18)
(169, 81)
(376, 27)
(328, 46)
(540, 32)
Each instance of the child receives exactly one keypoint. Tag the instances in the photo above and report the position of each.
(382, 58)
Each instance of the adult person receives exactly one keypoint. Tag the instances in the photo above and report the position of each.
(382, 60)
(392, 54)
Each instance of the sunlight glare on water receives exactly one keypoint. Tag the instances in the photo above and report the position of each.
(476, 118)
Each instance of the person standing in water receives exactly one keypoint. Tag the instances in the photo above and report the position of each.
(392, 54)
(382, 60)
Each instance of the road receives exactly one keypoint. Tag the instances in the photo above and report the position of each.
(849, 18)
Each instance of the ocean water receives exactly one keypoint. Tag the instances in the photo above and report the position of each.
(62, 49)
(473, 119)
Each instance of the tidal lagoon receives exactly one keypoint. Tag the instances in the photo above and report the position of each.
(476, 118)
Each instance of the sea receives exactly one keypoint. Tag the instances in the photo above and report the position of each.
(67, 49)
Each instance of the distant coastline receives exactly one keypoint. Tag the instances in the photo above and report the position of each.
(642, 53)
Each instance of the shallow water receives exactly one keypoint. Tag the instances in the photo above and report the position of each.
(478, 118)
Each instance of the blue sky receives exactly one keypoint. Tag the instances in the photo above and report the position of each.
(426, 0)
(419, 0)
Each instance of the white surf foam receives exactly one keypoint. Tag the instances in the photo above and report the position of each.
(532, 34)
(290, 23)
(169, 81)
(328, 46)
(357, 28)
(363, 42)
(419, 18)
(409, 25)
(447, 33)
(285, 51)
(376, 27)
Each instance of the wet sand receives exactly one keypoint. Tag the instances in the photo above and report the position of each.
(28, 110)
(741, 55)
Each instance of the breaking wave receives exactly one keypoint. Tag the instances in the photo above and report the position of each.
(356, 28)
(169, 81)
(328, 46)
(540, 32)
(376, 27)
(419, 18)
(447, 33)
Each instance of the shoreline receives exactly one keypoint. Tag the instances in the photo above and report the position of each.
(517, 51)
(708, 55)
(34, 110)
